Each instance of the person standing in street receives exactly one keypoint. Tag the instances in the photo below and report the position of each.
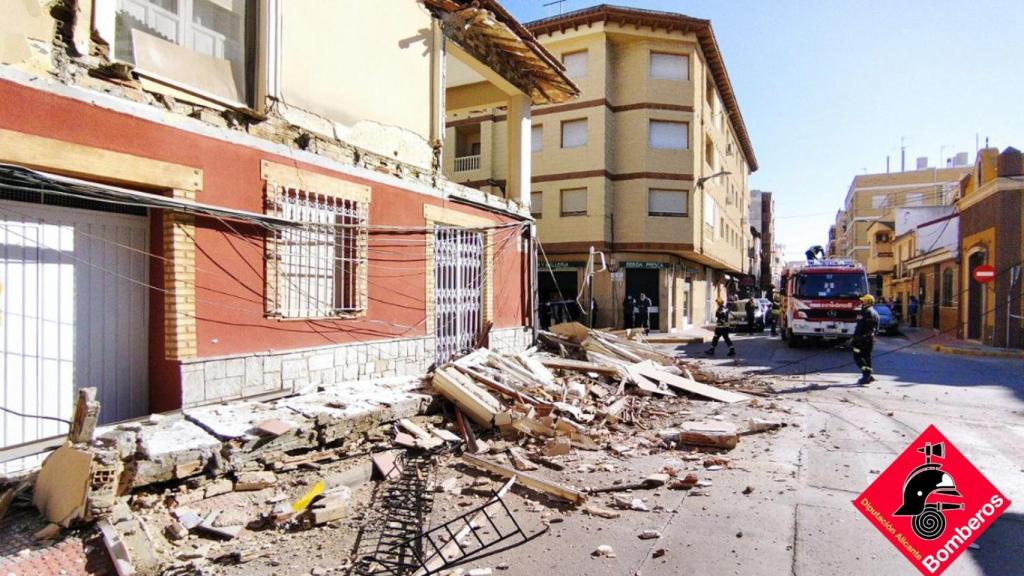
(775, 312)
(749, 308)
(628, 315)
(721, 329)
(863, 341)
(912, 311)
(644, 304)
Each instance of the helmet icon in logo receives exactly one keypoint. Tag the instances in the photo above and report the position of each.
(928, 493)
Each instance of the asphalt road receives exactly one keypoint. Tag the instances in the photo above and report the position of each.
(846, 436)
(784, 507)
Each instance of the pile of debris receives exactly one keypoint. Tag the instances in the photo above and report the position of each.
(229, 484)
(591, 382)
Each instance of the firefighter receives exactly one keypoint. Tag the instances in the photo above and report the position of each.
(864, 338)
(775, 312)
(721, 329)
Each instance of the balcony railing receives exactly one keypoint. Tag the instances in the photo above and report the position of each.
(467, 163)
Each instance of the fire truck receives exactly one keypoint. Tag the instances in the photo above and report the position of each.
(821, 300)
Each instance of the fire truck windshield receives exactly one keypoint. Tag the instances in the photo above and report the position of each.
(831, 286)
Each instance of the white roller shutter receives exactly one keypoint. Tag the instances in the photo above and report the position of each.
(574, 202)
(667, 202)
(669, 135)
(669, 66)
(574, 133)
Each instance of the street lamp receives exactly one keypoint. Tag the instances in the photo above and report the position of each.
(700, 181)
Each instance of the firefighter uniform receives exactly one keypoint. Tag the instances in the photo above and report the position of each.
(863, 341)
(721, 329)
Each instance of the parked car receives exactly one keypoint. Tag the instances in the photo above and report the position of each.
(738, 315)
(887, 321)
(766, 305)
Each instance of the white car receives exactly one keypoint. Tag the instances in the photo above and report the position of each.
(738, 315)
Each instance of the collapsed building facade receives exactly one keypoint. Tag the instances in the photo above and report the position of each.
(204, 200)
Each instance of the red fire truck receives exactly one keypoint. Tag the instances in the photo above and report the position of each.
(820, 300)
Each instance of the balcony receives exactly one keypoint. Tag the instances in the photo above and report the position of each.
(467, 163)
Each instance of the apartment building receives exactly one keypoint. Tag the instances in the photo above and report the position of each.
(762, 217)
(872, 197)
(649, 167)
(204, 200)
(991, 229)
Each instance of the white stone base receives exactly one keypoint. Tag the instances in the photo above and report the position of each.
(209, 380)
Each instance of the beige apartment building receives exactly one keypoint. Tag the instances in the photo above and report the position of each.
(861, 233)
(649, 166)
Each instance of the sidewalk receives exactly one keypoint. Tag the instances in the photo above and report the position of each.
(689, 335)
(948, 344)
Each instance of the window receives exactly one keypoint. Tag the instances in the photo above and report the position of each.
(574, 133)
(914, 199)
(574, 202)
(709, 90)
(537, 138)
(314, 271)
(669, 66)
(668, 202)
(575, 64)
(709, 154)
(947, 288)
(204, 44)
(710, 210)
(879, 201)
(536, 204)
(668, 135)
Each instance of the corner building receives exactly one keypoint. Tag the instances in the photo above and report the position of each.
(649, 166)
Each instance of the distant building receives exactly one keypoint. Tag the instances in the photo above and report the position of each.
(990, 234)
(872, 197)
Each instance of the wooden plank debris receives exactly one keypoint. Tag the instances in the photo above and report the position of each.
(527, 480)
(691, 386)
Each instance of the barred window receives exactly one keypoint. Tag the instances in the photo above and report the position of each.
(314, 270)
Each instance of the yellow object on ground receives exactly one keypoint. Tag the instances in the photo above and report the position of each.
(303, 503)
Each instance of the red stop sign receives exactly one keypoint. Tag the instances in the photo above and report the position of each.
(984, 273)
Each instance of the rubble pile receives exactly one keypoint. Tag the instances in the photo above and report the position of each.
(219, 487)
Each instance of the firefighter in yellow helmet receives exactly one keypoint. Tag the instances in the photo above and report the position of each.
(721, 329)
(863, 341)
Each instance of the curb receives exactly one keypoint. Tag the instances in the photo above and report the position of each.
(681, 340)
(957, 351)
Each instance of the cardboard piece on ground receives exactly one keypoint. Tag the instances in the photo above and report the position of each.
(63, 483)
(574, 331)
(527, 480)
(691, 386)
(387, 464)
(273, 427)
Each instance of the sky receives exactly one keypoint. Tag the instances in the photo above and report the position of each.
(829, 88)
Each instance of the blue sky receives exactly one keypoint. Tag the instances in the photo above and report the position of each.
(828, 88)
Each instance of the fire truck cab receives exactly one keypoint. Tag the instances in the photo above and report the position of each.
(821, 299)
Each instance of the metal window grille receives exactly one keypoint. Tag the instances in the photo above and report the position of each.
(458, 269)
(315, 269)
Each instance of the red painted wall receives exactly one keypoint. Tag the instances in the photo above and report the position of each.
(229, 279)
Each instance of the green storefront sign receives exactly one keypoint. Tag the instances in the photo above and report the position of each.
(647, 265)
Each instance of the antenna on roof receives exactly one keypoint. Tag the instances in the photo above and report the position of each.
(560, 3)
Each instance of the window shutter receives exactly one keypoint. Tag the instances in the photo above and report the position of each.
(667, 202)
(574, 202)
(536, 204)
(709, 210)
(537, 138)
(669, 66)
(668, 135)
(574, 133)
(575, 64)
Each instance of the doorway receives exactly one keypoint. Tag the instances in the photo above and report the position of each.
(556, 291)
(458, 290)
(975, 297)
(647, 281)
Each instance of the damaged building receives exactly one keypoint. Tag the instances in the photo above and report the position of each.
(206, 200)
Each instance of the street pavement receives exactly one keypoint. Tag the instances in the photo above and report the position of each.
(847, 435)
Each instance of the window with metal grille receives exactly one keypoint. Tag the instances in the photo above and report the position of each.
(315, 269)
